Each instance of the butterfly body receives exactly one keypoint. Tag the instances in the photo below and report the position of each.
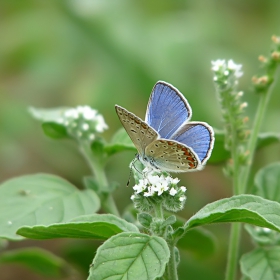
(166, 140)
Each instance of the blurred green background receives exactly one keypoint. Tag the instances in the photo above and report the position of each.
(101, 53)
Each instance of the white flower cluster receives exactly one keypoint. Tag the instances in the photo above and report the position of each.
(221, 67)
(157, 185)
(83, 122)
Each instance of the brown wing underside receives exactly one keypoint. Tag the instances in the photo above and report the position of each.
(139, 132)
(171, 156)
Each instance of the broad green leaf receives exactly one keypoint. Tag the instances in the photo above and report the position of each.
(54, 130)
(38, 260)
(145, 219)
(267, 182)
(198, 241)
(120, 142)
(130, 256)
(95, 226)
(263, 236)
(241, 208)
(48, 115)
(267, 138)
(262, 264)
(41, 199)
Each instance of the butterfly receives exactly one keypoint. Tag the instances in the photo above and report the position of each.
(167, 140)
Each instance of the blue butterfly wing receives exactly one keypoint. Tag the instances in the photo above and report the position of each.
(197, 135)
(167, 109)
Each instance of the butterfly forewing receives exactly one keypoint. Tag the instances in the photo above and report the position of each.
(140, 133)
(197, 135)
(172, 156)
(167, 109)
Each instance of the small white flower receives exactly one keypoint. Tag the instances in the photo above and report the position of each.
(71, 113)
(161, 187)
(182, 198)
(183, 189)
(139, 188)
(235, 67)
(132, 197)
(87, 112)
(101, 125)
(153, 179)
(175, 181)
(172, 192)
(243, 105)
(218, 65)
(91, 137)
(85, 126)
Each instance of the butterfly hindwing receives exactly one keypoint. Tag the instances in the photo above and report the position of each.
(140, 133)
(172, 156)
(167, 109)
(199, 136)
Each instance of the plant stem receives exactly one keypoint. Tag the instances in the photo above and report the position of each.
(232, 260)
(265, 96)
(96, 164)
(172, 266)
(158, 210)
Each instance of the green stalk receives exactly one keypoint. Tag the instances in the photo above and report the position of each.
(232, 260)
(172, 266)
(264, 99)
(96, 164)
(240, 180)
(158, 210)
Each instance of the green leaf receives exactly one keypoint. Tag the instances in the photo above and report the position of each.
(41, 199)
(130, 256)
(267, 138)
(267, 182)
(54, 130)
(120, 142)
(169, 221)
(48, 115)
(38, 260)
(145, 219)
(262, 264)
(95, 226)
(220, 154)
(241, 208)
(263, 236)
